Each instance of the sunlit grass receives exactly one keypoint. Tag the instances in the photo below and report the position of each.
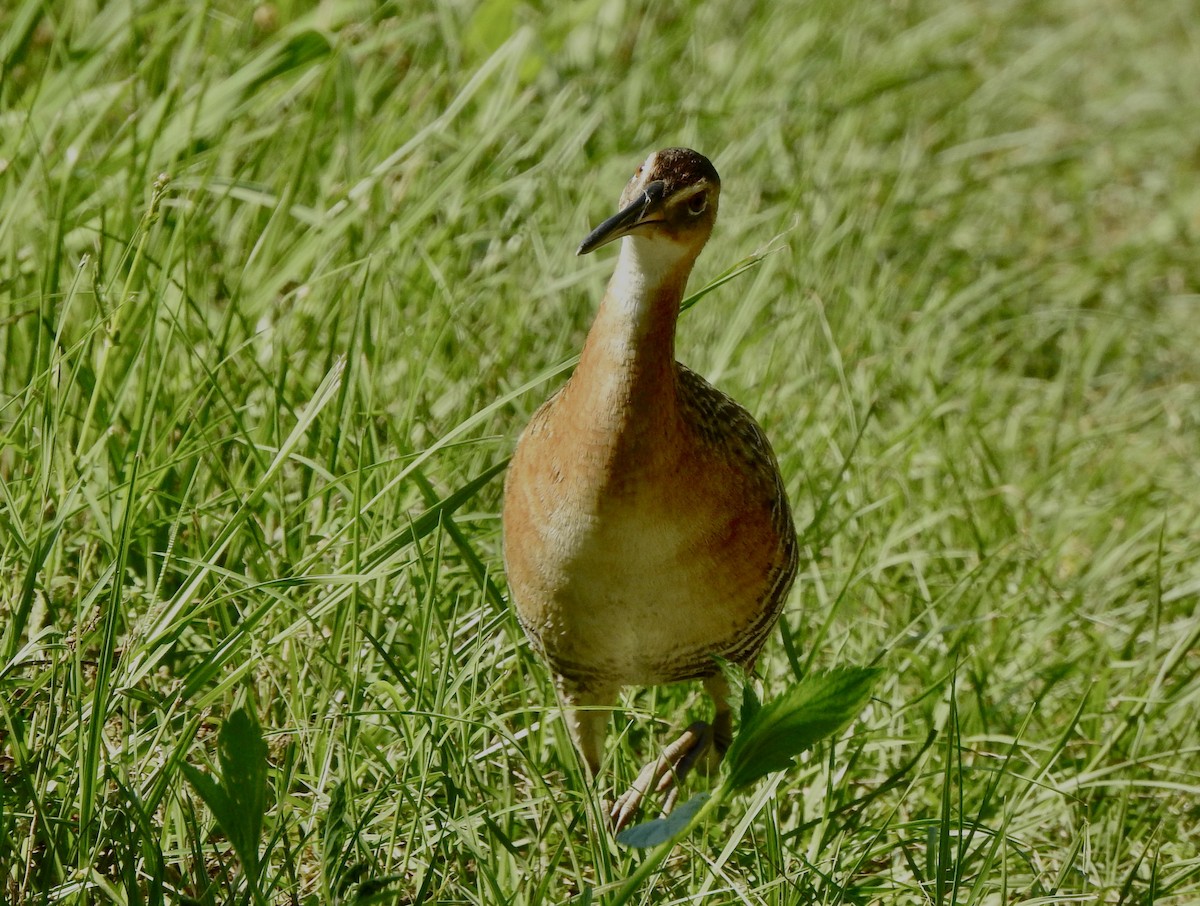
(279, 287)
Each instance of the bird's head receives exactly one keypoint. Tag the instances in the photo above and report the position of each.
(671, 198)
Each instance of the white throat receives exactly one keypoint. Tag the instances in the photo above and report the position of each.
(642, 267)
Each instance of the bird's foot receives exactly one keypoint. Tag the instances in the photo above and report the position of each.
(664, 774)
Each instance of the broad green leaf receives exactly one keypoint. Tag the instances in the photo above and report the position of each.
(660, 830)
(243, 757)
(817, 707)
(208, 790)
(238, 800)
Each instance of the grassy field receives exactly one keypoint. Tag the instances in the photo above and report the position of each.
(280, 286)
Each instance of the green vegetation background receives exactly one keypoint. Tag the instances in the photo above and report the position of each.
(280, 285)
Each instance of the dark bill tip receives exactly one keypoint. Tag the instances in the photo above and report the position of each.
(625, 219)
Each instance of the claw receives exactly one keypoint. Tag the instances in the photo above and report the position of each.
(664, 774)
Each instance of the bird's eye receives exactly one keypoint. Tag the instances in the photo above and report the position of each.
(698, 203)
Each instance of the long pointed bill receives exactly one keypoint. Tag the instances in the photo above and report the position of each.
(640, 210)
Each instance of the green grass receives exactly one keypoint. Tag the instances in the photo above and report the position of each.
(253, 413)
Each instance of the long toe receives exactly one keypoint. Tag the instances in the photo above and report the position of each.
(664, 774)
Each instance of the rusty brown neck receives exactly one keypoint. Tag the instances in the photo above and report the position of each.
(625, 382)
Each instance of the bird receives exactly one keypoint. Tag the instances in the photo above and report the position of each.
(647, 533)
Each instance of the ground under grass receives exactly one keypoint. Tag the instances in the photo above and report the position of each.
(280, 286)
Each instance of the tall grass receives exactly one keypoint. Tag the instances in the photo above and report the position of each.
(279, 287)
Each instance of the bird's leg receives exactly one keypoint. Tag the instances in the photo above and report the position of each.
(666, 773)
(586, 712)
(718, 690)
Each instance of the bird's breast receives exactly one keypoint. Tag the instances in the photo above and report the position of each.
(634, 567)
